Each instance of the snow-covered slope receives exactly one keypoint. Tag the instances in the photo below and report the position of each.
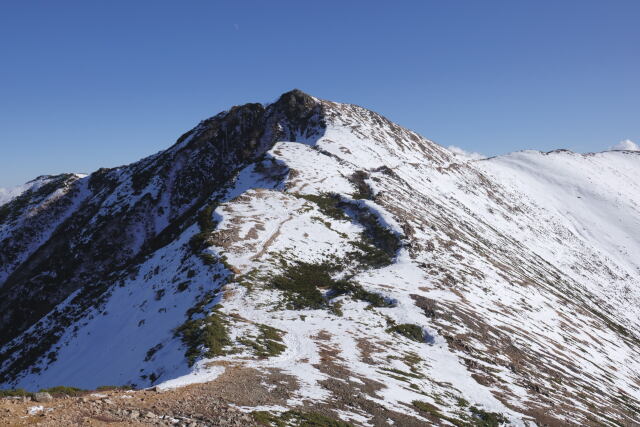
(348, 265)
(8, 194)
(595, 200)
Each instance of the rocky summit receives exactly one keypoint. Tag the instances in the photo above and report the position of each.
(312, 263)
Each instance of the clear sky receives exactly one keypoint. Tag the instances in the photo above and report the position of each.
(86, 84)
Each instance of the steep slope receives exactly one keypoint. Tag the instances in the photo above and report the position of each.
(79, 233)
(341, 264)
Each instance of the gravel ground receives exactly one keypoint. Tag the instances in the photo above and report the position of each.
(171, 408)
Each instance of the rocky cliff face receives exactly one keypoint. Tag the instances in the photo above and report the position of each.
(355, 267)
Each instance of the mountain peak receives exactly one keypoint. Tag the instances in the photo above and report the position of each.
(295, 93)
(297, 106)
(342, 246)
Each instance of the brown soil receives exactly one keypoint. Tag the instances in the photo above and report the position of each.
(182, 407)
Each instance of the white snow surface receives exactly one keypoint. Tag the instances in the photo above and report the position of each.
(199, 374)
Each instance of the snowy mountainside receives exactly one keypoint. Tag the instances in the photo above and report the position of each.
(8, 194)
(348, 265)
(594, 199)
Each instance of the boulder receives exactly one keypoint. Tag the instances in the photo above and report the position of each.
(42, 397)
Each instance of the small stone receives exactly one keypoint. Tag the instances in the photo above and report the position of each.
(42, 397)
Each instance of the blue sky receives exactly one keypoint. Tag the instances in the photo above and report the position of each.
(87, 84)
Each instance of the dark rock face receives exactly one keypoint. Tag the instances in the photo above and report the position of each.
(103, 224)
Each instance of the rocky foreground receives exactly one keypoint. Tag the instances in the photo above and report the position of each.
(125, 407)
(195, 405)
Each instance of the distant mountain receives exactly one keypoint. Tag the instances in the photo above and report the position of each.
(327, 259)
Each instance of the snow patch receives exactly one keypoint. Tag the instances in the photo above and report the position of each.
(200, 374)
(33, 410)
